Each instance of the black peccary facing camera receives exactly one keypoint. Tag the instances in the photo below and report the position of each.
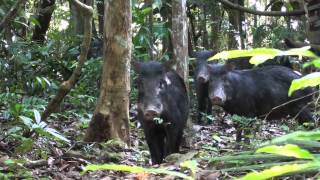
(161, 95)
(255, 92)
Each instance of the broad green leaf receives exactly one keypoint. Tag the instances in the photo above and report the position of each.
(39, 80)
(287, 150)
(229, 54)
(271, 53)
(146, 11)
(280, 170)
(309, 80)
(27, 121)
(315, 62)
(56, 134)
(264, 51)
(260, 55)
(133, 169)
(303, 51)
(37, 116)
(298, 135)
(192, 165)
(259, 59)
(9, 162)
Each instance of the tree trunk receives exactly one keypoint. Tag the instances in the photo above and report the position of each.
(180, 38)
(45, 11)
(76, 20)
(233, 27)
(100, 9)
(150, 25)
(111, 116)
(216, 17)
(240, 28)
(313, 23)
(205, 42)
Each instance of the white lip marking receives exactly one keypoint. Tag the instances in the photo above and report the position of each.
(219, 92)
(167, 80)
(297, 72)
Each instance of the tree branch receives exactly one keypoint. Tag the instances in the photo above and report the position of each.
(66, 86)
(11, 14)
(263, 13)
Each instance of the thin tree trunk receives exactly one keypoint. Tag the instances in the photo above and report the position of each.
(240, 21)
(111, 116)
(100, 9)
(216, 17)
(205, 42)
(180, 38)
(150, 25)
(45, 11)
(234, 28)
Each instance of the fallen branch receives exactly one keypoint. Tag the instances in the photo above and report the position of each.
(66, 86)
(36, 164)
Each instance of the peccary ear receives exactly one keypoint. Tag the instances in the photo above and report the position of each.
(230, 66)
(136, 65)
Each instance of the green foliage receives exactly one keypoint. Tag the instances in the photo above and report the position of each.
(315, 62)
(290, 150)
(298, 135)
(310, 80)
(260, 55)
(134, 169)
(141, 31)
(280, 170)
(287, 150)
(192, 165)
(41, 127)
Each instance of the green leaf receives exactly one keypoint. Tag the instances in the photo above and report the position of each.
(56, 134)
(260, 55)
(133, 169)
(246, 53)
(146, 11)
(287, 150)
(27, 121)
(9, 162)
(298, 135)
(37, 116)
(280, 170)
(47, 81)
(315, 62)
(259, 59)
(309, 80)
(192, 165)
(303, 51)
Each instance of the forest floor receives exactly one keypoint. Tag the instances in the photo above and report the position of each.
(55, 160)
